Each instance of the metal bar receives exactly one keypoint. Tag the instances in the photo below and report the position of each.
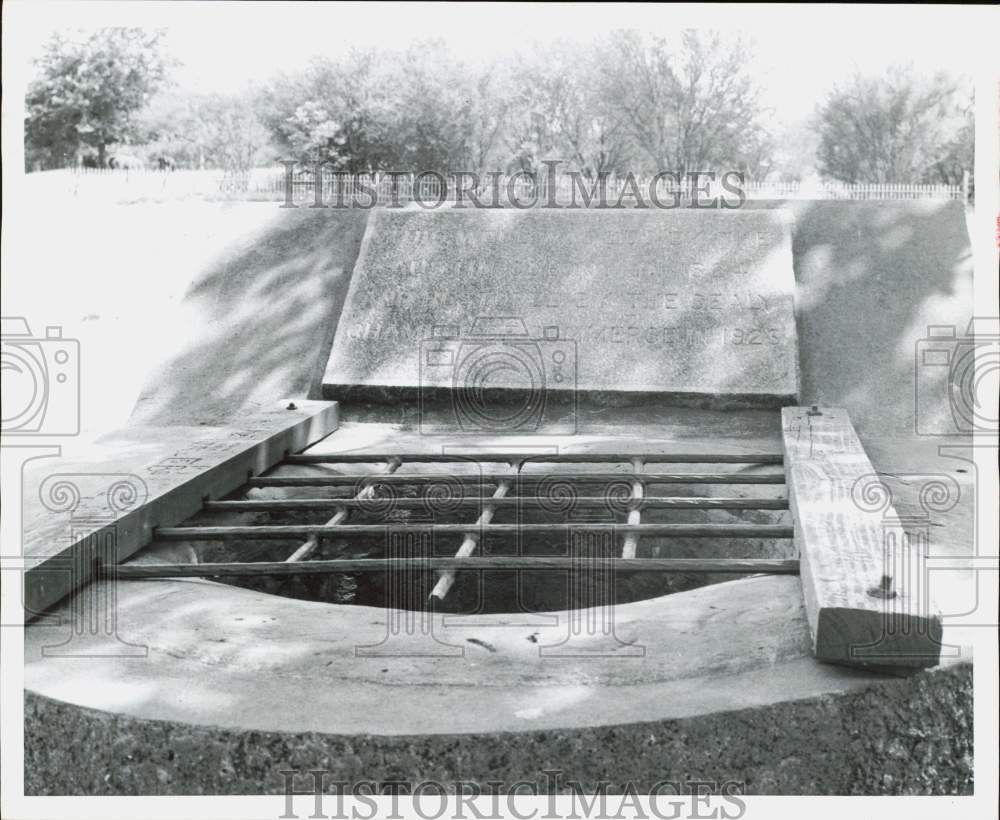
(734, 565)
(305, 530)
(536, 458)
(494, 478)
(310, 545)
(631, 542)
(648, 502)
(468, 546)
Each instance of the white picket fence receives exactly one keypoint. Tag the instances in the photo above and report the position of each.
(384, 189)
(858, 190)
(123, 185)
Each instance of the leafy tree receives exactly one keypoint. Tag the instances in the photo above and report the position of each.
(89, 90)
(596, 109)
(379, 111)
(430, 109)
(895, 127)
(337, 110)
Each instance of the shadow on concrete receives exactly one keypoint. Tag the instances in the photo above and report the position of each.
(870, 278)
(258, 324)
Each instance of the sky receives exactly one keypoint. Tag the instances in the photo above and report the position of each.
(801, 51)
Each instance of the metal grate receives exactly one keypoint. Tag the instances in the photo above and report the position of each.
(483, 496)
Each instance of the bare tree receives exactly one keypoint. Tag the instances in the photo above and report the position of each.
(692, 108)
(488, 117)
(955, 158)
(234, 135)
(560, 113)
(219, 130)
(887, 128)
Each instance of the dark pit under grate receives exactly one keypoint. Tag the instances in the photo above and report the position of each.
(594, 511)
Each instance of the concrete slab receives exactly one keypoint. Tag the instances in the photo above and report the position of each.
(674, 302)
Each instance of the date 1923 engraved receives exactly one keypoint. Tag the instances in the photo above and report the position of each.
(754, 336)
(659, 336)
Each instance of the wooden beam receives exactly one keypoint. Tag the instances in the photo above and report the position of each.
(514, 562)
(863, 606)
(113, 517)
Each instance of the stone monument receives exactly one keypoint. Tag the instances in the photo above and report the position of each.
(682, 303)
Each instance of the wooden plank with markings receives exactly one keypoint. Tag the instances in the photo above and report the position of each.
(93, 515)
(865, 600)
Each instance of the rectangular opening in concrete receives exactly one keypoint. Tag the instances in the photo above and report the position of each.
(513, 529)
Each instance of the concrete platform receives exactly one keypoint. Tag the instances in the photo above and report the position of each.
(726, 688)
(229, 657)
